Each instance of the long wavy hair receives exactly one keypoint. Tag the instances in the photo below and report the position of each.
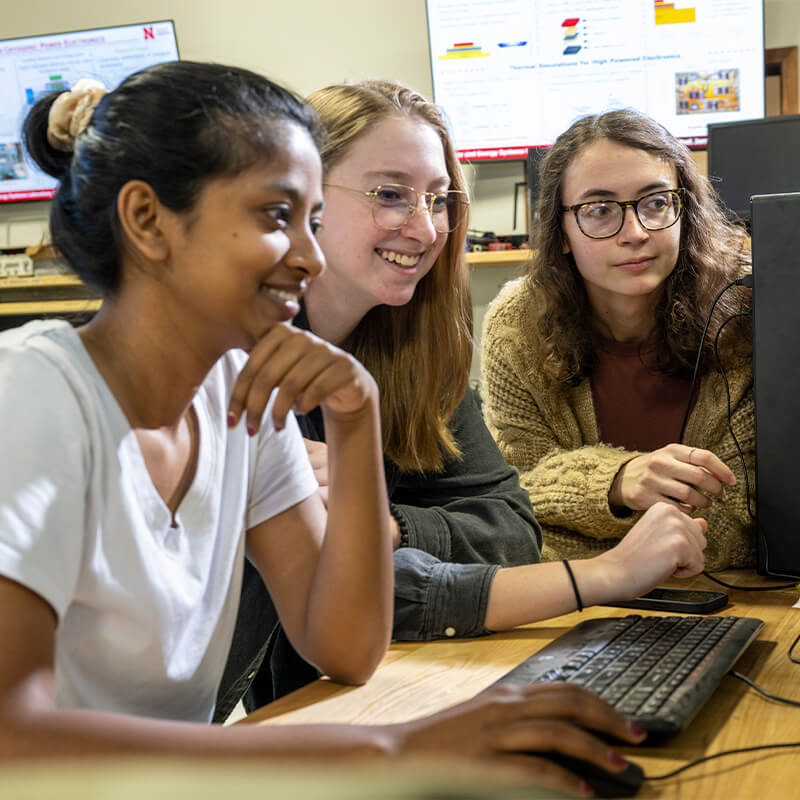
(419, 353)
(713, 251)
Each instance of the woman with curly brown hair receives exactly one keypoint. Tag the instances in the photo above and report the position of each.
(588, 359)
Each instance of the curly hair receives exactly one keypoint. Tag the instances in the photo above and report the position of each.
(713, 251)
(419, 353)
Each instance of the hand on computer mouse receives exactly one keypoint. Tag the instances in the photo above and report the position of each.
(516, 728)
(602, 782)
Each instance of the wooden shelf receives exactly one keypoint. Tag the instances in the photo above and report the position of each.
(497, 258)
(48, 307)
(39, 281)
(35, 295)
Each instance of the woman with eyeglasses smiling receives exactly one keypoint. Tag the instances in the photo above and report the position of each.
(588, 359)
(395, 293)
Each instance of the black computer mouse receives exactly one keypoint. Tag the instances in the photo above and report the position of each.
(604, 784)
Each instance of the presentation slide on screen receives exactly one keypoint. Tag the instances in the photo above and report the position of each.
(513, 74)
(34, 66)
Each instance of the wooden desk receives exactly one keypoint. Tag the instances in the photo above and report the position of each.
(415, 679)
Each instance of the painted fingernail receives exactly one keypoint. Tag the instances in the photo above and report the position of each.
(635, 729)
(251, 431)
(616, 759)
(586, 789)
(231, 419)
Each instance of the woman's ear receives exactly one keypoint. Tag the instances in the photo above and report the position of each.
(142, 219)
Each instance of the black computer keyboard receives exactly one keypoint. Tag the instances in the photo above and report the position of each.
(657, 670)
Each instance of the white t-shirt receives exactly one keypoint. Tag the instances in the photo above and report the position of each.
(145, 610)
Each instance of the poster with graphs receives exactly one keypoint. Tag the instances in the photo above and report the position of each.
(33, 66)
(513, 74)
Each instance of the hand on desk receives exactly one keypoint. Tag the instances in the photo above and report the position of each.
(664, 543)
(507, 727)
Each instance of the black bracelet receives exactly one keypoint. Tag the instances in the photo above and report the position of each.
(402, 524)
(574, 584)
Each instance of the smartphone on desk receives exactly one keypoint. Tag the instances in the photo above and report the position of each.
(682, 601)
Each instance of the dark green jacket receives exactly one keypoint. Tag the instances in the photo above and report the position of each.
(459, 527)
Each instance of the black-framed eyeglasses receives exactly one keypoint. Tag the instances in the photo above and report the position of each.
(393, 205)
(602, 219)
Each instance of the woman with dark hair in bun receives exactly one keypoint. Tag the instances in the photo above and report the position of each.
(149, 440)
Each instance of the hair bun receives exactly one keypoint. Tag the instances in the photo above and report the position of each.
(71, 112)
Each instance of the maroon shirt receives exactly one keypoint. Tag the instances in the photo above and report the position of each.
(637, 407)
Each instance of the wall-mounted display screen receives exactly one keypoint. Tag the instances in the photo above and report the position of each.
(513, 74)
(36, 65)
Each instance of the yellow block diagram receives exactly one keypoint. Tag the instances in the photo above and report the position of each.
(667, 14)
(464, 50)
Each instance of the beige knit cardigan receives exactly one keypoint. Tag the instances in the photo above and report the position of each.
(549, 432)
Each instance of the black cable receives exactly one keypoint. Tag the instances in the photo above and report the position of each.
(724, 375)
(755, 748)
(698, 761)
(760, 690)
(728, 396)
(791, 650)
(751, 588)
(746, 281)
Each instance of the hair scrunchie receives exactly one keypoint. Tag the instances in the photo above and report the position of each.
(71, 112)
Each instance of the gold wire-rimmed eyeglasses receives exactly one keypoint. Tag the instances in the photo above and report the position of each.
(394, 204)
(602, 219)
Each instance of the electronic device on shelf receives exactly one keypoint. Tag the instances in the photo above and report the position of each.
(37, 65)
(658, 670)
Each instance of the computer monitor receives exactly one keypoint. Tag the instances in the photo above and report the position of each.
(751, 157)
(515, 74)
(37, 65)
(776, 380)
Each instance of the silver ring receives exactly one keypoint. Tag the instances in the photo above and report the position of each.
(690, 455)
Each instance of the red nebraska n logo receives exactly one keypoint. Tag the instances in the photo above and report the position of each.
(148, 32)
